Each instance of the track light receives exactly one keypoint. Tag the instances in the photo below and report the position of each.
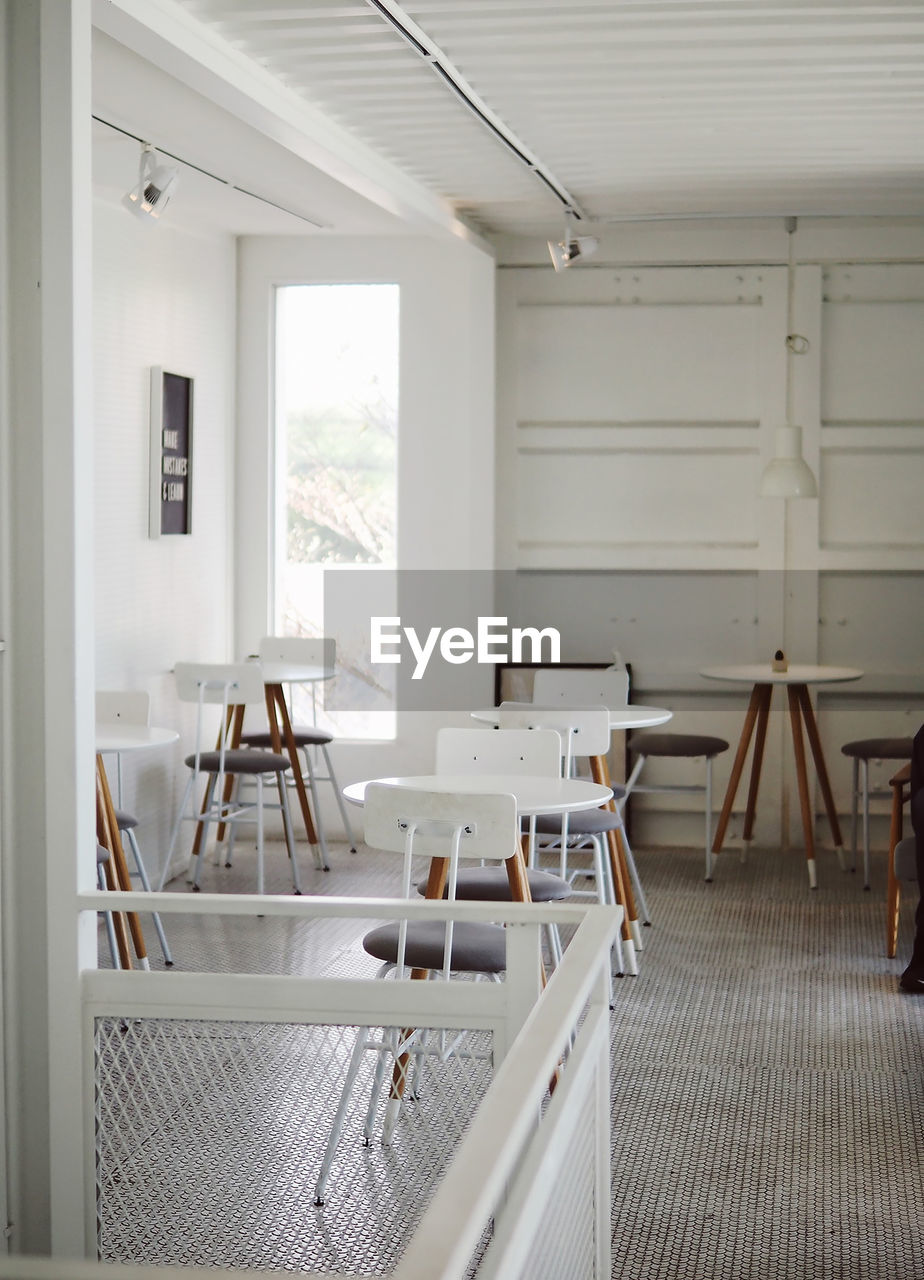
(568, 250)
(154, 188)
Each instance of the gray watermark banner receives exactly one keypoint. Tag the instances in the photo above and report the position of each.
(429, 640)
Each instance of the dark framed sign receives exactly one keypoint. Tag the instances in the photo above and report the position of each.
(171, 453)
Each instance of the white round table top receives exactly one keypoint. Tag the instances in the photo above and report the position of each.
(116, 736)
(534, 794)
(632, 716)
(796, 673)
(294, 672)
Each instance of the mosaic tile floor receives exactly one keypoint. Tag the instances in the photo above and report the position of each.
(768, 1088)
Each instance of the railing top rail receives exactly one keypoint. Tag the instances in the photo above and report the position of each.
(253, 904)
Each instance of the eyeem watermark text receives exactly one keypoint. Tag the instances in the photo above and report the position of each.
(492, 642)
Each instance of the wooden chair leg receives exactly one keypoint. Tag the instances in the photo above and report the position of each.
(893, 892)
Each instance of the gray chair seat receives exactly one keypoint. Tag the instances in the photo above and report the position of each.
(490, 884)
(878, 749)
(240, 762)
(584, 822)
(102, 854)
(905, 859)
(124, 820)
(481, 948)
(678, 745)
(304, 737)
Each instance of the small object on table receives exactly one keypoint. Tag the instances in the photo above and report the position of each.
(779, 661)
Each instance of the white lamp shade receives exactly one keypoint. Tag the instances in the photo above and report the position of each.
(788, 475)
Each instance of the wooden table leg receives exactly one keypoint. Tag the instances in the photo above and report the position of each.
(117, 876)
(764, 696)
(622, 886)
(230, 734)
(821, 769)
(798, 746)
(737, 768)
(277, 713)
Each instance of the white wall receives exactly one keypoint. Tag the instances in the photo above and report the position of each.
(638, 395)
(445, 431)
(162, 297)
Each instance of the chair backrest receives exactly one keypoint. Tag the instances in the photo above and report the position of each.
(309, 651)
(484, 826)
(226, 683)
(132, 706)
(481, 751)
(577, 686)
(585, 731)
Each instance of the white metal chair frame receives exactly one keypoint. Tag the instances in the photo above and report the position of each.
(227, 685)
(428, 824)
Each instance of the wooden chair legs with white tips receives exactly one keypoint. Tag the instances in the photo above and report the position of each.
(231, 686)
(445, 828)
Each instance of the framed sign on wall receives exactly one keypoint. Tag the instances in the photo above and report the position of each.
(170, 508)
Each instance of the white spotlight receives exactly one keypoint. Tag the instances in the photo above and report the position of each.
(154, 188)
(564, 252)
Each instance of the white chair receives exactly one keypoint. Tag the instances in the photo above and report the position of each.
(230, 686)
(427, 824)
(306, 651)
(585, 734)
(611, 687)
(511, 751)
(132, 706)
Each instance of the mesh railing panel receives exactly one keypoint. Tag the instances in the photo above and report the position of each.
(564, 1248)
(209, 1137)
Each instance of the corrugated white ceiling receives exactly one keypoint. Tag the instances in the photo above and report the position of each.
(641, 108)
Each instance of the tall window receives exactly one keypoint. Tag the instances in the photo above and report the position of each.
(336, 465)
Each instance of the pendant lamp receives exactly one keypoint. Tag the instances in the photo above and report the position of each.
(788, 475)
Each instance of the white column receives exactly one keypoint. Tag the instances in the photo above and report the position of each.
(49, 824)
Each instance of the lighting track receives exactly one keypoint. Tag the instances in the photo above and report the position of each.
(424, 47)
(320, 226)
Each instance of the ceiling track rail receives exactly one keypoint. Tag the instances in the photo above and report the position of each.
(418, 40)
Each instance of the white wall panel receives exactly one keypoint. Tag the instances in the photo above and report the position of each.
(602, 498)
(161, 297)
(872, 498)
(638, 363)
(873, 362)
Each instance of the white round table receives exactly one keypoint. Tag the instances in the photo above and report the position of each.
(632, 716)
(533, 794)
(796, 679)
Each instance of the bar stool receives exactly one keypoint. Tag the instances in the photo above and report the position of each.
(306, 652)
(232, 686)
(678, 746)
(861, 752)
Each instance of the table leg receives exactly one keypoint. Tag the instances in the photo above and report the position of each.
(277, 713)
(798, 747)
(737, 768)
(622, 887)
(821, 769)
(765, 695)
(231, 735)
(117, 876)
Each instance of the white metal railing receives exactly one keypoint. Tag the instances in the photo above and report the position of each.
(514, 1160)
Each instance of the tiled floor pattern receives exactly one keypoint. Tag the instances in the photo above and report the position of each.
(768, 1089)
